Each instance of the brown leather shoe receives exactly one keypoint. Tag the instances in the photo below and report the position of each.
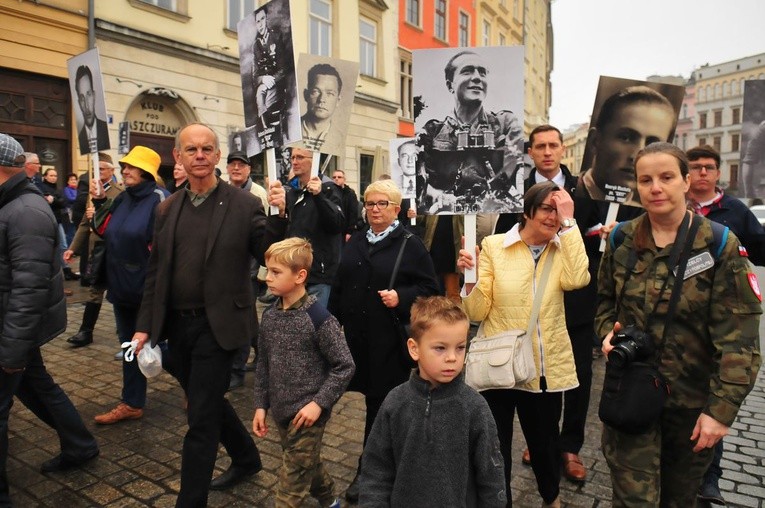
(119, 413)
(526, 457)
(573, 469)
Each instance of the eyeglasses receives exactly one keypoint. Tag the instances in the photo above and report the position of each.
(382, 205)
(300, 157)
(699, 167)
(546, 209)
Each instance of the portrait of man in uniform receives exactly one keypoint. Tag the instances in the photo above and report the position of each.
(469, 137)
(328, 86)
(88, 93)
(269, 86)
(753, 139)
(403, 171)
(628, 115)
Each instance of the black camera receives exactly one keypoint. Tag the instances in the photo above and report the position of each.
(630, 344)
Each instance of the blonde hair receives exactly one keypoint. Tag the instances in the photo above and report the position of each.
(387, 187)
(295, 253)
(426, 311)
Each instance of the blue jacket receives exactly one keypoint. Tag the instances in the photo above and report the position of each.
(128, 229)
(734, 214)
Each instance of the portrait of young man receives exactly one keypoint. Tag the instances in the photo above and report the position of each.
(328, 87)
(87, 92)
(404, 165)
(470, 129)
(625, 120)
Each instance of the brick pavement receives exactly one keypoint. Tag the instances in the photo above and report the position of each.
(140, 460)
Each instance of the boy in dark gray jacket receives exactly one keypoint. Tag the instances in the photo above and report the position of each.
(434, 441)
(303, 367)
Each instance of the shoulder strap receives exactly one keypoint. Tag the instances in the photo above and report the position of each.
(394, 273)
(161, 194)
(617, 236)
(720, 238)
(540, 292)
(318, 314)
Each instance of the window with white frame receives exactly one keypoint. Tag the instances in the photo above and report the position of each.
(486, 33)
(170, 5)
(439, 23)
(413, 12)
(367, 47)
(405, 86)
(464, 30)
(320, 28)
(238, 10)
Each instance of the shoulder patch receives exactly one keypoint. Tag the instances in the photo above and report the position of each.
(755, 285)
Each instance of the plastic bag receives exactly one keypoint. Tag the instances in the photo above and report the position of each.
(149, 358)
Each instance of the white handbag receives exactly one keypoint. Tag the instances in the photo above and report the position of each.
(506, 359)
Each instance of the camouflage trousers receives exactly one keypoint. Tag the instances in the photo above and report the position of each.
(658, 468)
(302, 473)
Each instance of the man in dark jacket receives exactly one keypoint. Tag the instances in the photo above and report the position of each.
(33, 313)
(315, 213)
(351, 205)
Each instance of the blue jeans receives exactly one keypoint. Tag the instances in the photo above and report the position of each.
(133, 380)
(321, 291)
(40, 394)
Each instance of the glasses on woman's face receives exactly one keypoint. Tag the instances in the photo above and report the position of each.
(382, 205)
(546, 209)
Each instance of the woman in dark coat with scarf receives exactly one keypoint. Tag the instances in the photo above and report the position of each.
(127, 226)
(361, 301)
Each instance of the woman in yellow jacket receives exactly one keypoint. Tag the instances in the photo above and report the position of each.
(508, 274)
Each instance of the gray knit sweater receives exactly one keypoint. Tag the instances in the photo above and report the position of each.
(302, 357)
(433, 447)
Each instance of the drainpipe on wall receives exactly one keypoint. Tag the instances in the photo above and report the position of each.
(91, 24)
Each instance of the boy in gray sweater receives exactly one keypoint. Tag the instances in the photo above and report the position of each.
(303, 367)
(434, 441)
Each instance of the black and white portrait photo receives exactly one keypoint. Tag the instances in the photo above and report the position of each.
(628, 115)
(269, 87)
(87, 91)
(327, 86)
(753, 140)
(469, 129)
(236, 141)
(403, 167)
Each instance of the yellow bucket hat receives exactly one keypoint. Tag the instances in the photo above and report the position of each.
(143, 158)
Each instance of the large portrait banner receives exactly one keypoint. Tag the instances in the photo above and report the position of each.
(87, 89)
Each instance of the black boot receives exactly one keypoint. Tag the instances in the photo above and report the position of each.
(89, 318)
(70, 275)
(352, 493)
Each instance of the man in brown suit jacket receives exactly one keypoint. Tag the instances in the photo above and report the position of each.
(198, 296)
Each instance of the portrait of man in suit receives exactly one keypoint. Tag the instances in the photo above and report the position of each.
(94, 132)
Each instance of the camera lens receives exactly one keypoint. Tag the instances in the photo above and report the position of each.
(617, 357)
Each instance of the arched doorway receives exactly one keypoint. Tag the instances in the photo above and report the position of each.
(153, 119)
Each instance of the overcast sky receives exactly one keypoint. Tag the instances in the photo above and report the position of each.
(637, 38)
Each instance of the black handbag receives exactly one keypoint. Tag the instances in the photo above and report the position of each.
(402, 329)
(634, 393)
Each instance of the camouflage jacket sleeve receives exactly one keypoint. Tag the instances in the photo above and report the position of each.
(605, 315)
(734, 330)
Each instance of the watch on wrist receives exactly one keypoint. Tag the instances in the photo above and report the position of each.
(568, 223)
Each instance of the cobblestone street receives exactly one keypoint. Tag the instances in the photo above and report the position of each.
(139, 461)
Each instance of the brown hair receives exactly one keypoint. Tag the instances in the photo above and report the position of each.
(534, 197)
(544, 128)
(295, 253)
(426, 311)
(703, 152)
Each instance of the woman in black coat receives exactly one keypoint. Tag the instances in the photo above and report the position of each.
(361, 301)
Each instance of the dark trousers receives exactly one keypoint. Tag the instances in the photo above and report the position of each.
(40, 394)
(538, 414)
(203, 369)
(373, 407)
(133, 380)
(576, 402)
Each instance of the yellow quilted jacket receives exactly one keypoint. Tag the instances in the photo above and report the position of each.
(503, 296)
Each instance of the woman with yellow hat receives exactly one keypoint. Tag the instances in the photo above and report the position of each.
(127, 226)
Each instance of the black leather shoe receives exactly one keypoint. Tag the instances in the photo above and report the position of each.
(710, 492)
(233, 475)
(81, 338)
(70, 275)
(61, 463)
(352, 494)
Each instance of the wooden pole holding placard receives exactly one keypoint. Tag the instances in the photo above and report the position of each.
(470, 229)
(315, 161)
(613, 210)
(271, 171)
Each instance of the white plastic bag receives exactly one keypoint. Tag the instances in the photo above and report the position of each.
(149, 358)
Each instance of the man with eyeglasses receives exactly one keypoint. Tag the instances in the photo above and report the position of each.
(314, 212)
(711, 201)
(94, 134)
(351, 207)
(32, 169)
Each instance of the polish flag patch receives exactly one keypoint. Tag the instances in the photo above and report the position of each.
(742, 251)
(755, 285)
